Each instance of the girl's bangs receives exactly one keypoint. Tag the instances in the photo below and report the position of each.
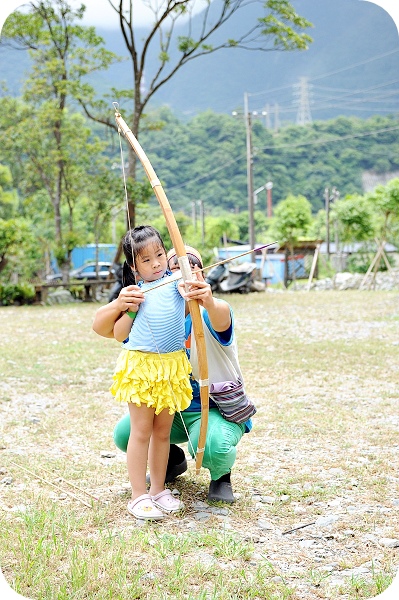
(154, 242)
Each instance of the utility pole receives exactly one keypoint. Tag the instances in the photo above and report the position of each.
(250, 185)
(327, 207)
(334, 196)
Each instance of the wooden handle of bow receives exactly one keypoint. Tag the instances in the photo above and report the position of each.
(194, 308)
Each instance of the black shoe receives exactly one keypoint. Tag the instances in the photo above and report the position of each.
(177, 464)
(220, 490)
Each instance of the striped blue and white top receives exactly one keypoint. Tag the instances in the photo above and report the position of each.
(159, 323)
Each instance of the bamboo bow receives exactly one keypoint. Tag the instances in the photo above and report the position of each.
(185, 269)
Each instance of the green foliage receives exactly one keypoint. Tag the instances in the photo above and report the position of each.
(281, 24)
(183, 222)
(16, 293)
(10, 236)
(317, 229)
(20, 252)
(8, 196)
(206, 158)
(55, 141)
(354, 216)
(62, 50)
(216, 228)
(70, 241)
(186, 44)
(385, 200)
(292, 218)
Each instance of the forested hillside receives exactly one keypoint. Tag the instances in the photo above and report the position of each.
(206, 157)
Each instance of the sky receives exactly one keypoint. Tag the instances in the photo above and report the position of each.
(98, 12)
(391, 6)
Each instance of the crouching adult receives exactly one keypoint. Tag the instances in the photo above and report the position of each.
(223, 435)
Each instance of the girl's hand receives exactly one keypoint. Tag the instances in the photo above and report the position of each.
(199, 290)
(130, 298)
(218, 310)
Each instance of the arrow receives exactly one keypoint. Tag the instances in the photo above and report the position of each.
(176, 276)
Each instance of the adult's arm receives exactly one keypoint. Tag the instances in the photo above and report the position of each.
(105, 318)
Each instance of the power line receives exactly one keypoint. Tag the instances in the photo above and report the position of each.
(311, 79)
(359, 64)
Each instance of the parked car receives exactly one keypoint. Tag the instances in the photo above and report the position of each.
(87, 271)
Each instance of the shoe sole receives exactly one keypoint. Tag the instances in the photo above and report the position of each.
(225, 500)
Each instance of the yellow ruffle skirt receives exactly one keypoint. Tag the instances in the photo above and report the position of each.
(158, 380)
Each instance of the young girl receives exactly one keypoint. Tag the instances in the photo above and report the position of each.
(152, 370)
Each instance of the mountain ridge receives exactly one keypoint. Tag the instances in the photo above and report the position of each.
(341, 59)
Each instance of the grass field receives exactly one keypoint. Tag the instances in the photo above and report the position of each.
(323, 370)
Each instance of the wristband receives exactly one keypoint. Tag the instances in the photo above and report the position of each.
(131, 314)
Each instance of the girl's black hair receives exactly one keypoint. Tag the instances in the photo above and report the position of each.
(133, 243)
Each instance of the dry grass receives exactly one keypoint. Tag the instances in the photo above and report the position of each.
(323, 371)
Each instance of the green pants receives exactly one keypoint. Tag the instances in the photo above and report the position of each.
(221, 439)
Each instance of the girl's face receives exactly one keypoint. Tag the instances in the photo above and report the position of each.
(151, 263)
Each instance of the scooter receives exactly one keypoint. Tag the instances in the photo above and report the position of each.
(234, 279)
(216, 275)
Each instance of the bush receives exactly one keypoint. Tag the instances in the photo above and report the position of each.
(16, 294)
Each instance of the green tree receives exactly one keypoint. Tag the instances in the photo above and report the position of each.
(8, 195)
(354, 218)
(281, 28)
(103, 195)
(385, 200)
(63, 54)
(292, 219)
(19, 250)
(63, 170)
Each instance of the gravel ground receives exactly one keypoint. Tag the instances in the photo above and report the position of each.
(316, 481)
